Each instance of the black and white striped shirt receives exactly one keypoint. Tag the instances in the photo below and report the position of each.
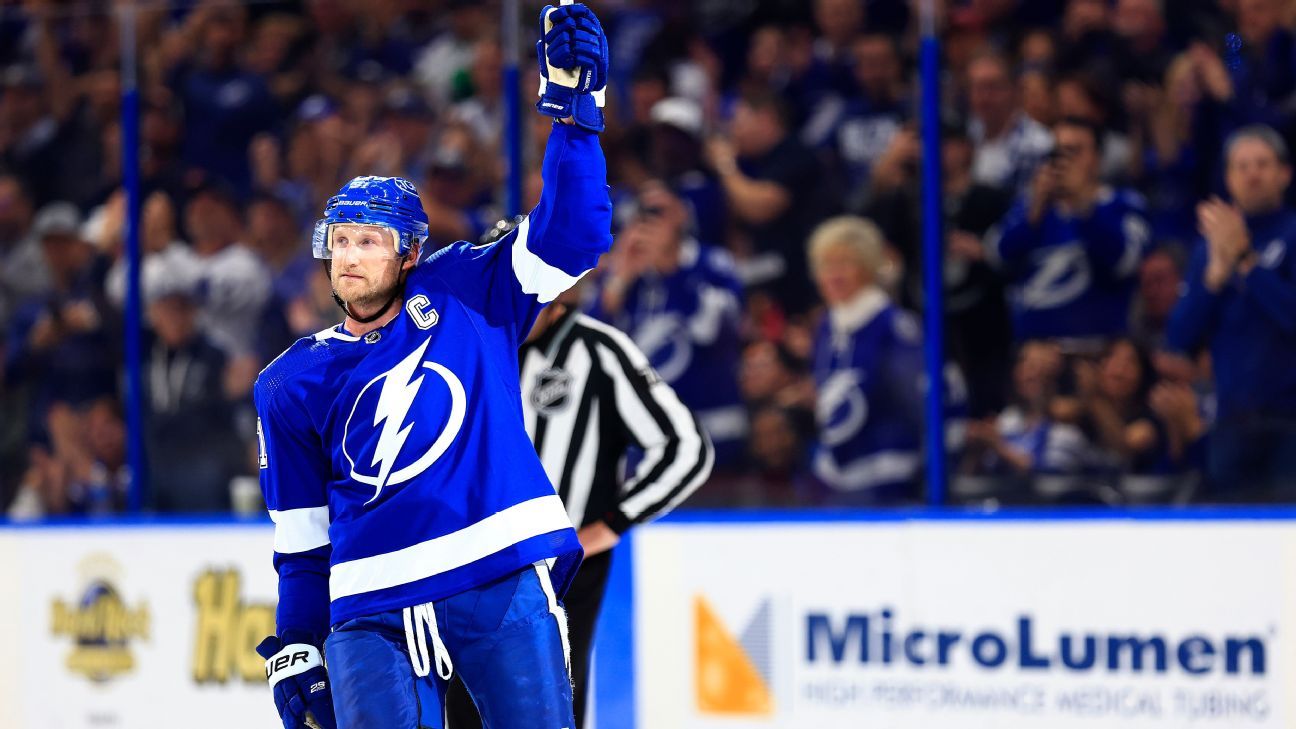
(588, 394)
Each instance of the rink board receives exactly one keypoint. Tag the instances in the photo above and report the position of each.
(721, 620)
(978, 623)
(134, 626)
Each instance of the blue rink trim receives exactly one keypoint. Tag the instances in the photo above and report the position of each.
(613, 694)
(1278, 512)
(1281, 512)
(134, 521)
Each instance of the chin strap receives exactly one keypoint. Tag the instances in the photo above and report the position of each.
(397, 293)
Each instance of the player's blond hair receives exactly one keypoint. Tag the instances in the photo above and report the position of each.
(860, 236)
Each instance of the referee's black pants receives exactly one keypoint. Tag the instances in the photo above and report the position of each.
(583, 601)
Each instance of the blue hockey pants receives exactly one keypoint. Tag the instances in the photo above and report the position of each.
(507, 641)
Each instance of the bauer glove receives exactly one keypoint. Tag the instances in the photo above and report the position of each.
(573, 54)
(301, 689)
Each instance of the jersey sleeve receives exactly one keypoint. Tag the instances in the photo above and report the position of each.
(1116, 236)
(1273, 292)
(677, 453)
(1195, 317)
(716, 304)
(1009, 243)
(560, 241)
(902, 371)
(294, 481)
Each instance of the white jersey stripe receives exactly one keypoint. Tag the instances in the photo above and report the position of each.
(426, 559)
(582, 477)
(537, 277)
(300, 530)
(864, 473)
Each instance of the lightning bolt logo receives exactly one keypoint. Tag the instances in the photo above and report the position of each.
(394, 401)
(398, 389)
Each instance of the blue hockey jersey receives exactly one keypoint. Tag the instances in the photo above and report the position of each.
(1071, 277)
(1249, 325)
(396, 465)
(857, 130)
(687, 324)
(868, 368)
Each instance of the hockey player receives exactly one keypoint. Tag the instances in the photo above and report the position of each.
(417, 535)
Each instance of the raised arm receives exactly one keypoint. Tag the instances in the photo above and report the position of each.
(562, 238)
(511, 279)
(1196, 317)
(1021, 230)
(1012, 239)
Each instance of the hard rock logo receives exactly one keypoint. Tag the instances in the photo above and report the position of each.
(100, 623)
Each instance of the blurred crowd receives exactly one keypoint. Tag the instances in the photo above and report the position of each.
(1119, 247)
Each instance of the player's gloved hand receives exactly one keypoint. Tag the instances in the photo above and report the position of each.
(300, 685)
(573, 55)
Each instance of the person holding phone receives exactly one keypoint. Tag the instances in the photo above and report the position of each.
(1071, 247)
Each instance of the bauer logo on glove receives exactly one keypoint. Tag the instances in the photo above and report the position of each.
(299, 661)
(297, 677)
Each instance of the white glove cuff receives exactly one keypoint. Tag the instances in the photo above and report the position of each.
(294, 659)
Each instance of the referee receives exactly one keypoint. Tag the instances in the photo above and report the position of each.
(589, 397)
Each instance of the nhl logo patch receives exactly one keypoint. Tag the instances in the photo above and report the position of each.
(372, 337)
(553, 386)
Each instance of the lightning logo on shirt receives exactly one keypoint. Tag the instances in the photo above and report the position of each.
(403, 409)
(394, 401)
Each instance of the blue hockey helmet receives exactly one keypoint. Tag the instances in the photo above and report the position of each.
(390, 202)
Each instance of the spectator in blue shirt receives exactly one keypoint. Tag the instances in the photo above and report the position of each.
(867, 370)
(838, 22)
(274, 236)
(857, 127)
(1160, 281)
(225, 104)
(1240, 302)
(681, 302)
(1070, 250)
(1025, 442)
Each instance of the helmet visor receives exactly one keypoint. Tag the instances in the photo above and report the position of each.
(345, 240)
